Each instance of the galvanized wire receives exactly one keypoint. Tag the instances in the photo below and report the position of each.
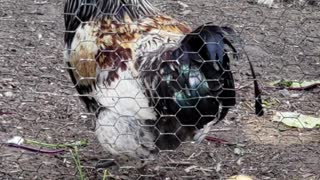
(39, 102)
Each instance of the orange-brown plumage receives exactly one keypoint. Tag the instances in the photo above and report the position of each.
(107, 42)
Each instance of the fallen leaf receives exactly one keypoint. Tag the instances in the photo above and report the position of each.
(293, 84)
(296, 120)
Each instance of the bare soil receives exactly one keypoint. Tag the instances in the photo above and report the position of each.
(283, 43)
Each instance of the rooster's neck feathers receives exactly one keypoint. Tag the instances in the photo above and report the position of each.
(78, 11)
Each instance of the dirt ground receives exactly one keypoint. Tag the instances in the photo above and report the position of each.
(283, 43)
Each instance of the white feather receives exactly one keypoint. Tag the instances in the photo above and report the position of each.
(118, 128)
(121, 135)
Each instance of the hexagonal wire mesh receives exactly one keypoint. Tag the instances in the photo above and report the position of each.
(40, 104)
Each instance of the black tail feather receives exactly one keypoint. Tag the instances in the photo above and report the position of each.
(257, 90)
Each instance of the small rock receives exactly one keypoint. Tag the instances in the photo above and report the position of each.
(184, 5)
(240, 177)
(4, 122)
(305, 176)
(211, 155)
(186, 12)
(266, 2)
(239, 161)
(284, 93)
(84, 116)
(39, 37)
(8, 94)
(218, 167)
(237, 151)
(295, 95)
(7, 79)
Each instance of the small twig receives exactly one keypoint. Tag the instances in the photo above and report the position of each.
(45, 145)
(196, 168)
(244, 86)
(75, 157)
(198, 154)
(217, 140)
(205, 171)
(6, 113)
(248, 106)
(171, 160)
(304, 88)
(70, 145)
(188, 169)
(220, 130)
(193, 155)
(183, 163)
(36, 13)
(40, 3)
(5, 155)
(105, 174)
(37, 150)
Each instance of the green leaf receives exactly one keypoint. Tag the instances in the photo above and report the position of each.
(293, 84)
(297, 120)
(80, 143)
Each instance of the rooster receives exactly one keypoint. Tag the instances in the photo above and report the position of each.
(151, 80)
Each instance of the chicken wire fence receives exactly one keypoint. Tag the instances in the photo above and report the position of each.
(40, 105)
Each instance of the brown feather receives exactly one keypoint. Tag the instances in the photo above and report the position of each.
(115, 44)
